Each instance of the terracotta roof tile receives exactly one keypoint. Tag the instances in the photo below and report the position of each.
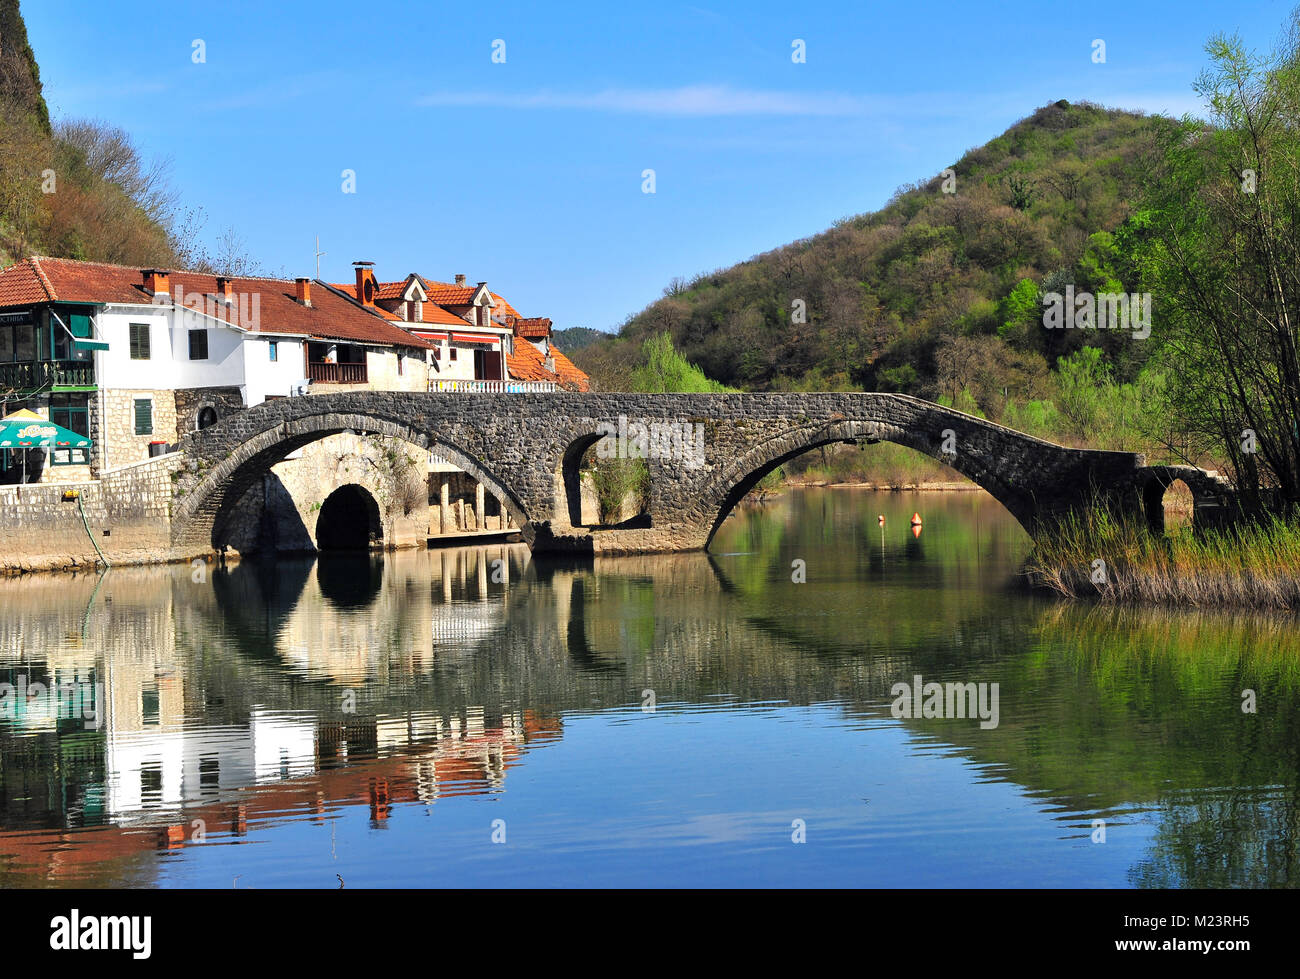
(389, 290)
(21, 285)
(527, 364)
(534, 328)
(571, 376)
(431, 312)
(330, 316)
(446, 294)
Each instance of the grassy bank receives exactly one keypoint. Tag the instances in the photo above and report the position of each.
(1257, 566)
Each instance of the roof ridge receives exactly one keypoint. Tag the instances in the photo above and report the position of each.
(173, 271)
(46, 284)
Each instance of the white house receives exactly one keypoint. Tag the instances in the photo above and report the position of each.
(135, 358)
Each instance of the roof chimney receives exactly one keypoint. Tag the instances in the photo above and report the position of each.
(156, 281)
(460, 278)
(302, 291)
(366, 287)
(224, 291)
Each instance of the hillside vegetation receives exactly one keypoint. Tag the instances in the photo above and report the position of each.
(906, 298)
(80, 188)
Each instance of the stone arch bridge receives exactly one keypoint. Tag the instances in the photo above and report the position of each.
(526, 449)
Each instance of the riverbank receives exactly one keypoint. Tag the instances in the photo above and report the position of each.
(1114, 562)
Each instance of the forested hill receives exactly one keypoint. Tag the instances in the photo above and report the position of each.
(77, 189)
(898, 298)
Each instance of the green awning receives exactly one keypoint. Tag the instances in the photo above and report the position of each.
(27, 430)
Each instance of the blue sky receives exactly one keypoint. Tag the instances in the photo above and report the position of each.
(528, 173)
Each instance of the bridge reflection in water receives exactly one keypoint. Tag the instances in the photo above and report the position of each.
(273, 696)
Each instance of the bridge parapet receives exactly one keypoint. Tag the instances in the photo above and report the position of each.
(526, 449)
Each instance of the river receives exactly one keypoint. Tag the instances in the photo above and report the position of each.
(477, 717)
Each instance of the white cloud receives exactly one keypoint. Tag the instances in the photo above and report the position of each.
(690, 100)
(703, 101)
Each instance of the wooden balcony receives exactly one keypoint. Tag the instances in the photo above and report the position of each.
(322, 373)
(44, 375)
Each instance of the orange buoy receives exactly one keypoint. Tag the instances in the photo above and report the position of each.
(916, 520)
(881, 520)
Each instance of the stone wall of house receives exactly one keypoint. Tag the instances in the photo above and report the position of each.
(225, 401)
(127, 513)
(121, 446)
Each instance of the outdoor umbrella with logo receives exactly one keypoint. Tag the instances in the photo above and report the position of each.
(27, 430)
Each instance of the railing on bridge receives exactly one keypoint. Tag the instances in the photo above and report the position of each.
(493, 387)
(323, 373)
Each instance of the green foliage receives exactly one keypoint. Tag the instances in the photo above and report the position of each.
(574, 338)
(1021, 312)
(613, 480)
(1082, 378)
(106, 203)
(20, 77)
(1256, 565)
(869, 303)
(665, 371)
(1217, 242)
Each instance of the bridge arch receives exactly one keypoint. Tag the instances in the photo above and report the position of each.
(928, 435)
(199, 515)
(349, 520)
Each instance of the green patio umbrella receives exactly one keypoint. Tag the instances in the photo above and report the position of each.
(27, 430)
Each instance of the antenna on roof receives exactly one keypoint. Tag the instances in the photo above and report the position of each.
(319, 253)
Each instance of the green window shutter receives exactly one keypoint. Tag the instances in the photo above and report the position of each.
(140, 341)
(143, 416)
(80, 326)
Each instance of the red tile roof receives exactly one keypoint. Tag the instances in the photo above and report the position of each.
(330, 317)
(446, 294)
(528, 364)
(571, 377)
(22, 285)
(389, 290)
(431, 312)
(534, 328)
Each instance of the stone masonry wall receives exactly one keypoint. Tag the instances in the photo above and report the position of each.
(525, 448)
(225, 401)
(281, 510)
(128, 512)
(123, 446)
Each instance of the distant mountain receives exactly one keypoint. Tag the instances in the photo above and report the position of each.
(883, 300)
(575, 338)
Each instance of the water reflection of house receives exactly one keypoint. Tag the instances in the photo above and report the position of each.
(281, 767)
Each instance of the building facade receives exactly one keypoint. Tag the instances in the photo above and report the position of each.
(136, 358)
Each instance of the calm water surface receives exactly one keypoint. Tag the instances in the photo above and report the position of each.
(477, 717)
